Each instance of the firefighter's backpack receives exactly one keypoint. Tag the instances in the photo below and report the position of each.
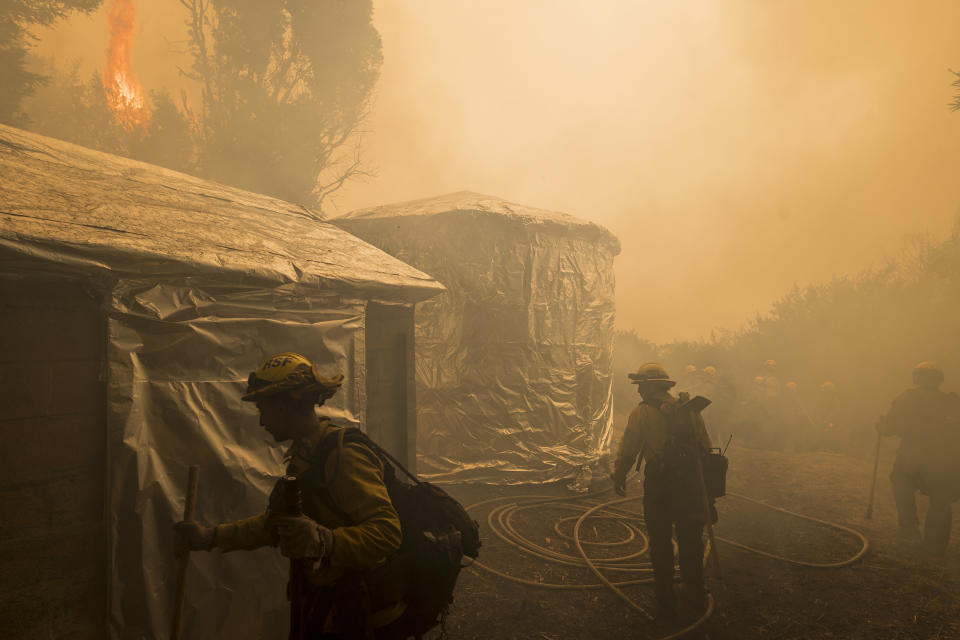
(437, 533)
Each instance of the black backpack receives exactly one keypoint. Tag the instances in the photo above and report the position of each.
(437, 533)
(714, 463)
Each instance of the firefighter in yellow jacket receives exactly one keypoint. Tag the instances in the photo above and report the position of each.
(671, 490)
(927, 419)
(348, 528)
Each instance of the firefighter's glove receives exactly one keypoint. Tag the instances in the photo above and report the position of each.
(192, 536)
(619, 485)
(301, 537)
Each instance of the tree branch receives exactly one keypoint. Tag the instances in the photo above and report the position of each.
(322, 192)
(955, 105)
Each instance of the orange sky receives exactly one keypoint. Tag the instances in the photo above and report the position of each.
(735, 147)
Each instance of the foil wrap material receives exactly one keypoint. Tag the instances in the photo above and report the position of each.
(199, 283)
(514, 360)
(178, 360)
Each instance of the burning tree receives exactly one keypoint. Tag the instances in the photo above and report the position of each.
(124, 93)
(285, 86)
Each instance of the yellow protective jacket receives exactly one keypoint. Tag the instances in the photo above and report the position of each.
(928, 423)
(355, 506)
(648, 431)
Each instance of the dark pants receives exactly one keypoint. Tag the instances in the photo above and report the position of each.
(346, 605)
(939, 520)
(671, 506)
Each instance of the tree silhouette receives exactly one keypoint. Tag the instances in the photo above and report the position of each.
(285, 87)
(16, 17)
(955, 105)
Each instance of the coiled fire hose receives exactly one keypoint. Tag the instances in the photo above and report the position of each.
(632, 569)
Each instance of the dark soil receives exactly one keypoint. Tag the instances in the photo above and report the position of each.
(894, 591)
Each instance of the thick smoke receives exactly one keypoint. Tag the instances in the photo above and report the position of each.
(736, 148)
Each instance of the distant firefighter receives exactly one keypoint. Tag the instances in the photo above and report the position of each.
(691, 378)
(927, 420)
(765, 409)
(771, 385)
(717, 387)
(671, 491)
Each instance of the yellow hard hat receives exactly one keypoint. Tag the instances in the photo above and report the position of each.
(690, 369)
(924, 367)
(289, 373)
(650, 372)
(828, 386)
(710, 370)
(792, 386)
(770, 364)
(928, 370)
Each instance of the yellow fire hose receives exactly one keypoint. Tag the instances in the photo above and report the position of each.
(500, 522)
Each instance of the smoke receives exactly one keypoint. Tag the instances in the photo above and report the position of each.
(736, 148)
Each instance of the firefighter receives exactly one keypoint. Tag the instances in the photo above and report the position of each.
(671, 490)
(348, 528)
(771, 384)
(769, 408)
(927, 420)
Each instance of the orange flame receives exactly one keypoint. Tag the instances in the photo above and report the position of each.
(124, 93)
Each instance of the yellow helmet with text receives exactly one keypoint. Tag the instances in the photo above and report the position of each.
(292, 374)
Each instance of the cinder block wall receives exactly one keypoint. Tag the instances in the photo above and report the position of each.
(52, 462)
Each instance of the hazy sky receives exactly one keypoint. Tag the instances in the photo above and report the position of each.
(734, 147)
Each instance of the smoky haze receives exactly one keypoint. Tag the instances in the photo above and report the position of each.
(735, 148)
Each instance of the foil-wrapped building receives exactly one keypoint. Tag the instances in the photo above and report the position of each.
(514, 359)
(135, 301)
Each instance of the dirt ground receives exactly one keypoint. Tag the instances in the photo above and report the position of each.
(893, 591)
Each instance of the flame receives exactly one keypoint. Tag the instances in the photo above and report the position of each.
(124, 93)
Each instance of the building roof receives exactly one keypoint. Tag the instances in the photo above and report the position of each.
(76, 206)
(470, 202)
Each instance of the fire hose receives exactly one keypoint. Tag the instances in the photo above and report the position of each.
(634, 570)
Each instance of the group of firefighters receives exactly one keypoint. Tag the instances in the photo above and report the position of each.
(926, 418)
(770, 412)
(349, 530)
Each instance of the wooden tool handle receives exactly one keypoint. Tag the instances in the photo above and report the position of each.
(873, 482)
(708, 518)
(189, 508)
